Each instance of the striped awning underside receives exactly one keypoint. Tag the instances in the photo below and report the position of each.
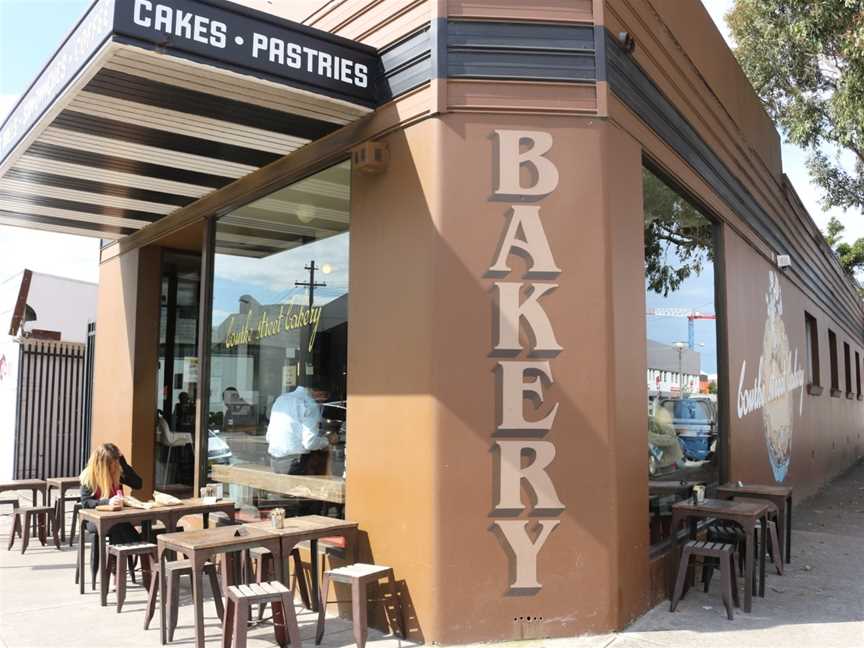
(140, 134)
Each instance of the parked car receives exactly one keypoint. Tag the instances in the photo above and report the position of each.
(695, 423)
(218, 451)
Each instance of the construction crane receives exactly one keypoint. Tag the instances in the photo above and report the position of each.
(690, 314)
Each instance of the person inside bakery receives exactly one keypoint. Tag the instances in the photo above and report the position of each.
(294, 431)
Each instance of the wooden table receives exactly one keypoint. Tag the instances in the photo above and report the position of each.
(62, 484)
(33, 485)
(202, 545)
(312, 528)
(747, 514)
(660, 487)
(104, 521)
(781, 496)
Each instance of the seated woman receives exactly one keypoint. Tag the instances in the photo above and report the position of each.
(102, 482)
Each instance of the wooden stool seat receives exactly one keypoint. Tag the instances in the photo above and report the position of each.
(42, 516)
(725, 554)
(124, 554)
(262, 559)
(174, 569)
(359, 575)
(241, 597)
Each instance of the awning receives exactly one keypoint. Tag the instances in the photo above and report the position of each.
(150, 104)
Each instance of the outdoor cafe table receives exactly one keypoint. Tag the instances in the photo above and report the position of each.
(201, 545)
(33, 485)
(62, 484)
(104, 521)
(312, 528)
(781, 496)
(747, 514)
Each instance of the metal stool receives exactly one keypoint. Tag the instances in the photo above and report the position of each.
(174, 570)
(240, 600)
(725, 554)
(262, 559)
(359, 575)
(43, 516)
(14, 503)
(126, 553)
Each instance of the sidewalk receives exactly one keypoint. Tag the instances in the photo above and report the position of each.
(40, 607)
(818, 603)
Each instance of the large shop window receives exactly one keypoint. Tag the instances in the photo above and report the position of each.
(278, 354)
(682, 422)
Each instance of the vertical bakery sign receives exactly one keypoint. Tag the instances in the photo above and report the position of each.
(776, 388)
(521, 444)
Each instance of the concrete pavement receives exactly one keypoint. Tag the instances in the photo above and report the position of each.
(817, 603)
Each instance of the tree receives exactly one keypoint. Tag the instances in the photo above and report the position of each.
(678, 239)
(806, 62)
(851, 257)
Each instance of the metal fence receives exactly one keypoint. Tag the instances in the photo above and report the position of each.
(88, 390)
(50, 435)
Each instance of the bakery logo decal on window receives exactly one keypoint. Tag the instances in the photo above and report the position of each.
(773, 386)
(250, 328)
(249, 42)
(524, 459)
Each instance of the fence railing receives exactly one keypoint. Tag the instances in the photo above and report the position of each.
(51, 411)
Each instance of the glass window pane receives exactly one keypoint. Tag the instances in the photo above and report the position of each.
(683, 426)
(278, 363)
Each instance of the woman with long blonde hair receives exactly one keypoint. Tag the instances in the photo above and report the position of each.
(102, 482)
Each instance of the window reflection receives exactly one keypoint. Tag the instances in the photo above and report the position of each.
(278, 362)
(682, 359)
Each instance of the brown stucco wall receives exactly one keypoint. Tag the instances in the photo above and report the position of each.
(424, 395)
(825, 430)
(124, 381)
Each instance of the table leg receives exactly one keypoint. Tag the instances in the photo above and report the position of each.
(788, 529)
(750, 549)
(313, 567)
(198, 599)
(354, 539)
(763, 549)
(81, 573)
(670, 571)
(163, 630)
(61, 517)
(35, 496)
(206, 517)
(284, 560)
(104, 578)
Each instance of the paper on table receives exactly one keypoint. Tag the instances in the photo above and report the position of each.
(165, 499)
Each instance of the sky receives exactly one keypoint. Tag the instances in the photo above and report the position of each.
(30, 31)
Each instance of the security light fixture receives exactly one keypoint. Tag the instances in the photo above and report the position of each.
(625, 40)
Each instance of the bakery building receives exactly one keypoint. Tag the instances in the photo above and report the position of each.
(448, 223)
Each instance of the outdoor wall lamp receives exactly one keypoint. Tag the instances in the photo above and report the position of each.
(371, 157)
(783, 261)
(625, 40)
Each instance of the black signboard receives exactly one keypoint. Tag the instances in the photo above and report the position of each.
(252, 42)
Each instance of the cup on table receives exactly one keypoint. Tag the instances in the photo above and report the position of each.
(699, 493)
(208, 494)
(277, 518)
